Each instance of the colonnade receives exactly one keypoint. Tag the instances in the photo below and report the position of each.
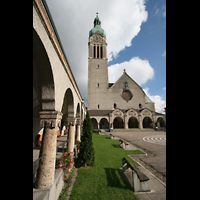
(50, 121)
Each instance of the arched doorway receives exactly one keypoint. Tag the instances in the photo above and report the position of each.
(94, 124)
(147, 122)
(118, 123)
(104, 123)
(132, 122)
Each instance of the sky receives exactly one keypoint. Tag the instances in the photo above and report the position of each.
(136, 38)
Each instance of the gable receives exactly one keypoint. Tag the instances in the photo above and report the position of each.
(117, 112)
(146, 112)
(126, 82)
(132, 112)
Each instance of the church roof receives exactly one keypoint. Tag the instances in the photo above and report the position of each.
(97, 27)
(149, 100)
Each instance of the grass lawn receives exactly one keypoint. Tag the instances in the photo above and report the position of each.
(104, 180)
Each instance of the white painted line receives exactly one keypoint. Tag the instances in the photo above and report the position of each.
(156, 139)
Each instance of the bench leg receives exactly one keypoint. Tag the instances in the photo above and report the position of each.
(145, 186)
(136, 182)
(127, 146)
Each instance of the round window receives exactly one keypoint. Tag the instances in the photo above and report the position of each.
(126, 95)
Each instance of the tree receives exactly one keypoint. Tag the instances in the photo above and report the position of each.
(86, 154)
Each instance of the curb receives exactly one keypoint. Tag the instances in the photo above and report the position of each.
(149, 172)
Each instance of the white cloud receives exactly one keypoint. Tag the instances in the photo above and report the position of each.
(121, 20)
(139, 70)
(164, 88)
(161, 11)
(159, 103)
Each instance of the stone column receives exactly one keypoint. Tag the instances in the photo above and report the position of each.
(125, 121)
(99, 51)
(91, 49)
(78, 122)
(96, 51)
(106, 51)
(110, 120)
(140, 121)
(71, 134)
(50, 120)
(154, 119)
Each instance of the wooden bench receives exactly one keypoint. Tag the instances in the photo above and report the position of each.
(125, 144)
(111, 136)
(140, 180)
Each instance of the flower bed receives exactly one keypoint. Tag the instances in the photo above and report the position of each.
(66, 163)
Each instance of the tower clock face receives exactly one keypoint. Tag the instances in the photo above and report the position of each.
(97, 38)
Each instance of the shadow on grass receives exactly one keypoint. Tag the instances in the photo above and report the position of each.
(116, 179)
(107, 137)
(116, 145)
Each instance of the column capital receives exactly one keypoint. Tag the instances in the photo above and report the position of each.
(78, 121)
(50, 118)
(71, 121)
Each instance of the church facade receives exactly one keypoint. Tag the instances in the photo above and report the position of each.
(122, 104)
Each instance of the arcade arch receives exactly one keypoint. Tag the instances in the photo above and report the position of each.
(147, 122)
(104, 123)
(132, 122)
(78, 113)
(94, 123)
(43, 82)
(118, 122)
(160, 122)
(68, 105)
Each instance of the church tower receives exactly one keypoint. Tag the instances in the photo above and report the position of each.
(97, 67)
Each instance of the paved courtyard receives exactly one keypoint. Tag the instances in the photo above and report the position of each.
(154, 142)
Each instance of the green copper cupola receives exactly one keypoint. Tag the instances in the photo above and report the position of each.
(97, 27)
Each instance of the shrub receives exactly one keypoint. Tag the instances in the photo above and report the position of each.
(86, 154)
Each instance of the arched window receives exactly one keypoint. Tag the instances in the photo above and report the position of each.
(94, 51)
(101, 52)
(126, 84)
(98, 106)
(115, 105)
(140, 105)
(97, 51)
